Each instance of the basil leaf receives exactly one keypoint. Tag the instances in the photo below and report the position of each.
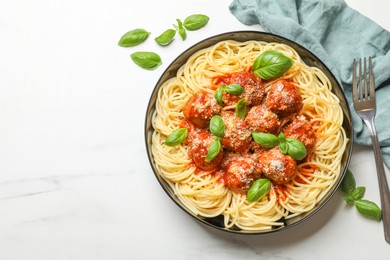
(369, 209)
(218, 95)
(217, 126)
(356, 194)
(176, 137)
(283, 147)
(296, 149)
(195, 21)
(166, 37)
(133, 38)
(282, 137)
(218, 138)
(179, 23)
(182, 31)
(348, 183)
(241, 108)
(233, 89)
(265, 139)
(213, 151)
(258, 189)
(271, 64)
(146, 60)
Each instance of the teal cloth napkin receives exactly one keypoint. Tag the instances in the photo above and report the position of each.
(336, 34)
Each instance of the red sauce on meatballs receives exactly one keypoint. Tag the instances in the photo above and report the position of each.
(240, 160)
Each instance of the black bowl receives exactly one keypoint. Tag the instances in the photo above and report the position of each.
(310, 59)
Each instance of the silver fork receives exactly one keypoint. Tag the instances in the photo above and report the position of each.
(365, 106)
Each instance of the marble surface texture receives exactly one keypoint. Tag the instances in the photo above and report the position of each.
(75, 181)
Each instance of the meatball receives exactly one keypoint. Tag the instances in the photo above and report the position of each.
(275, 165)
(261, 119)
(200, 108)
(301, 129)
(237, 136)
(283, 98)
(199, 141)
(254, 88)
(240, 173)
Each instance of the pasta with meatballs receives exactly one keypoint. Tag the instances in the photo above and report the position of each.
(212, 171)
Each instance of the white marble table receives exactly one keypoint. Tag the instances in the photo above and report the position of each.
(75, 182)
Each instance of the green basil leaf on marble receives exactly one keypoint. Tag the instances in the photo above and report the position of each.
(146, 60)
(166, 37)
(133, 38)
(369, 209)
(195, 21)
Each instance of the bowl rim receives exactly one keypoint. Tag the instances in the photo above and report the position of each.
(346, 114)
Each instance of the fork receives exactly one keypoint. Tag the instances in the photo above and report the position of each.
(365, 106)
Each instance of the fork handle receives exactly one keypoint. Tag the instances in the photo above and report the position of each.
(383, 186)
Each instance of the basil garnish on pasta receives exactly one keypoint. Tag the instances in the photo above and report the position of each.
(271, 64)
(241, 108)
(217, 128)
(232, 89)
(265, 139)
(258, 189)
(176, 137)
(213, 151)
(291, 146)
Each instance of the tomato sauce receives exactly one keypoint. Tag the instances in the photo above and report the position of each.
(241, 161)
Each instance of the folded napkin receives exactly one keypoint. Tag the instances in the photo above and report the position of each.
(336, 34)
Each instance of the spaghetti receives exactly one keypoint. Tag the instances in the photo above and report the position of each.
(201, 191)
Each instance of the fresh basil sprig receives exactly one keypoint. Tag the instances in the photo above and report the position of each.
(151, 60)
(354, 196)
(232, 89)
(181, 30)
(241, 108)
(133, 38)
(271, 64)
(195, 21)
(291, 146)
(258, 189)
(176, 137)
(166, 37)
(217, 128)
(146, 60)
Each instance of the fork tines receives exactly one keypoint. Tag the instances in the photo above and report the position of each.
(360, 89)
